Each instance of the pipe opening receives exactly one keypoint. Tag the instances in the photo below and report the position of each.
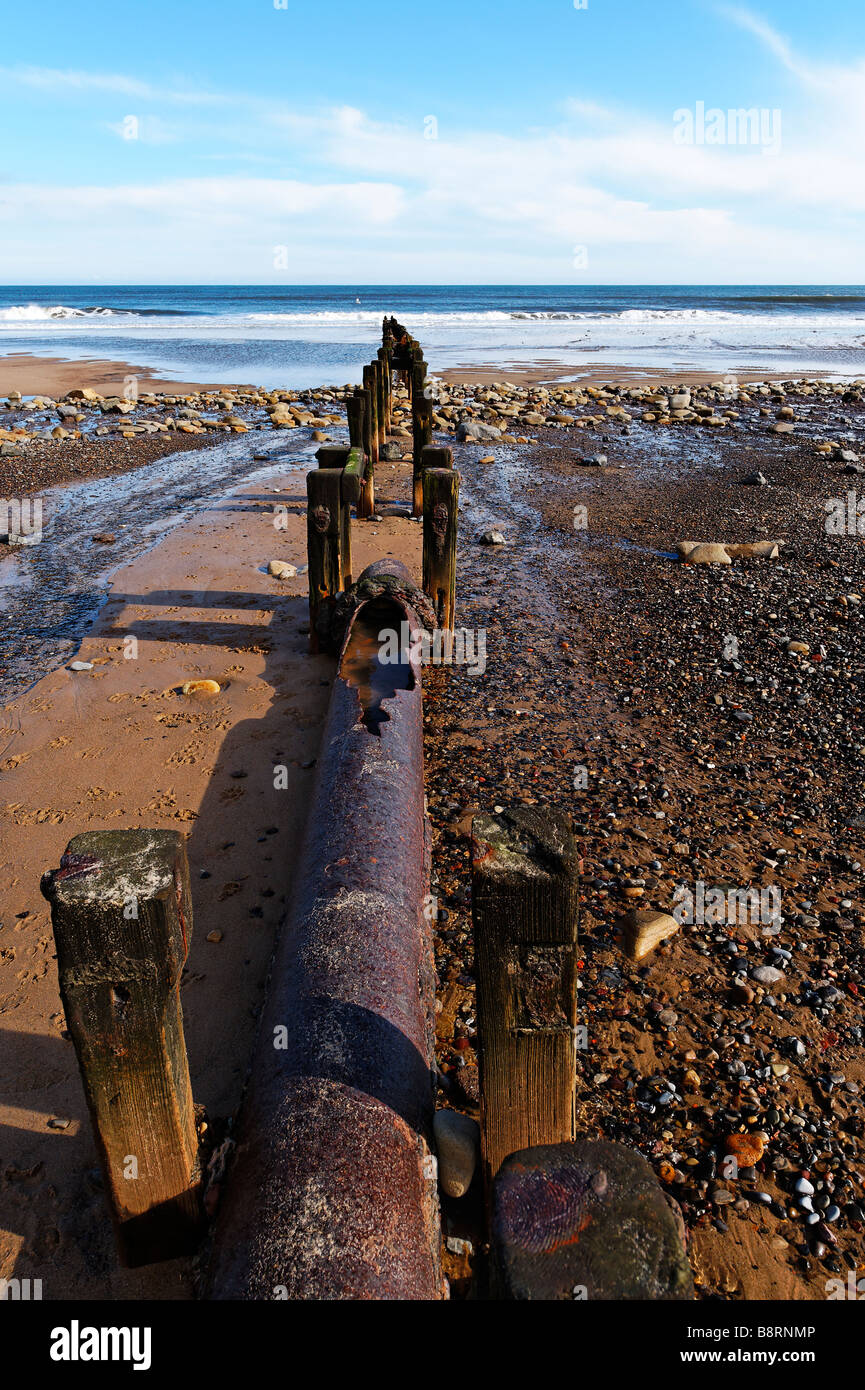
(376, 659)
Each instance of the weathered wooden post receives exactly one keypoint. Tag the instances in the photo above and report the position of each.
(384, 363)
(421, 423)
(389, 345)
(378, 370)
(408, 351)
(432, 456)
(370, 386)
(328, 541)
(365, 506)
(355, 407)
(332, 455)
(441, 491)
(362, 394)
(122, 918)
(525, 903)
(358, 488)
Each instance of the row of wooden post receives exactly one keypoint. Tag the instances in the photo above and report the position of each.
(345, 477)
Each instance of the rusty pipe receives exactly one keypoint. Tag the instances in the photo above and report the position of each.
(333, 1192)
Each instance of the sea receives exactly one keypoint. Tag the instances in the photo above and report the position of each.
(303, 336)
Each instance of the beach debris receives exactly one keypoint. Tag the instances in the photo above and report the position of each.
(767, 974)
(719, 553)
(492, 538)
(201, 687)
(458, 1142)
(703, 553)
(644, 929)
(756, 479)
(281, 569)
(747, 1149)
(755, 550)
(81, 666)
(469, 431)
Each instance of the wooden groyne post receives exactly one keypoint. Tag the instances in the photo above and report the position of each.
(355, 408)
(421, 418)
(328, 540)
(441, 491)
(525, 905)
(370, 386)
(122, 918)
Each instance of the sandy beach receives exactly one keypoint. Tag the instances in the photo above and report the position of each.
(702, 761)
(54, 376)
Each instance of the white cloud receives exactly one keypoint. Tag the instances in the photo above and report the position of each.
(477, 204)
(70, 82)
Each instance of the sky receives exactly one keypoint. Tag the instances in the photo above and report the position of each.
(283, 141)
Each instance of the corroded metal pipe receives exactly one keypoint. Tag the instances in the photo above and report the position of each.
(333, 1191)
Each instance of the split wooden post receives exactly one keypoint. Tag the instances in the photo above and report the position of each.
(409, 370)
(370, 386)
(431, 456)
(365, 505)
(357, 483)
(122, 918)
(525, 905)
(355, 407)
(389, 344)
(328, 541)
(378, 369)
(421, 423)
(384, 362)
(333, 455)
(366, 421)
(441, 492)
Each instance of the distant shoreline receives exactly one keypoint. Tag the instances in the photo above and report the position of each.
(56, 376)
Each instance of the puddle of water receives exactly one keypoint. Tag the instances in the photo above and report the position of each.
(492, 497)
(363, 668)
(58, 586)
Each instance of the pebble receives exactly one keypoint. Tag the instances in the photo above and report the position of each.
(457, 1140)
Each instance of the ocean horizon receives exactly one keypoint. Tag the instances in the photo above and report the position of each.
(306, 335)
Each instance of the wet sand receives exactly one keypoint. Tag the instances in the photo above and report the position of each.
(598, 374)
(118, 747)
(54, 376)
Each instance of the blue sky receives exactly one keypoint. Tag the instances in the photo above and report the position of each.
(335, 143)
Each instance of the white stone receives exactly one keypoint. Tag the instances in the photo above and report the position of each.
(458, 1142)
